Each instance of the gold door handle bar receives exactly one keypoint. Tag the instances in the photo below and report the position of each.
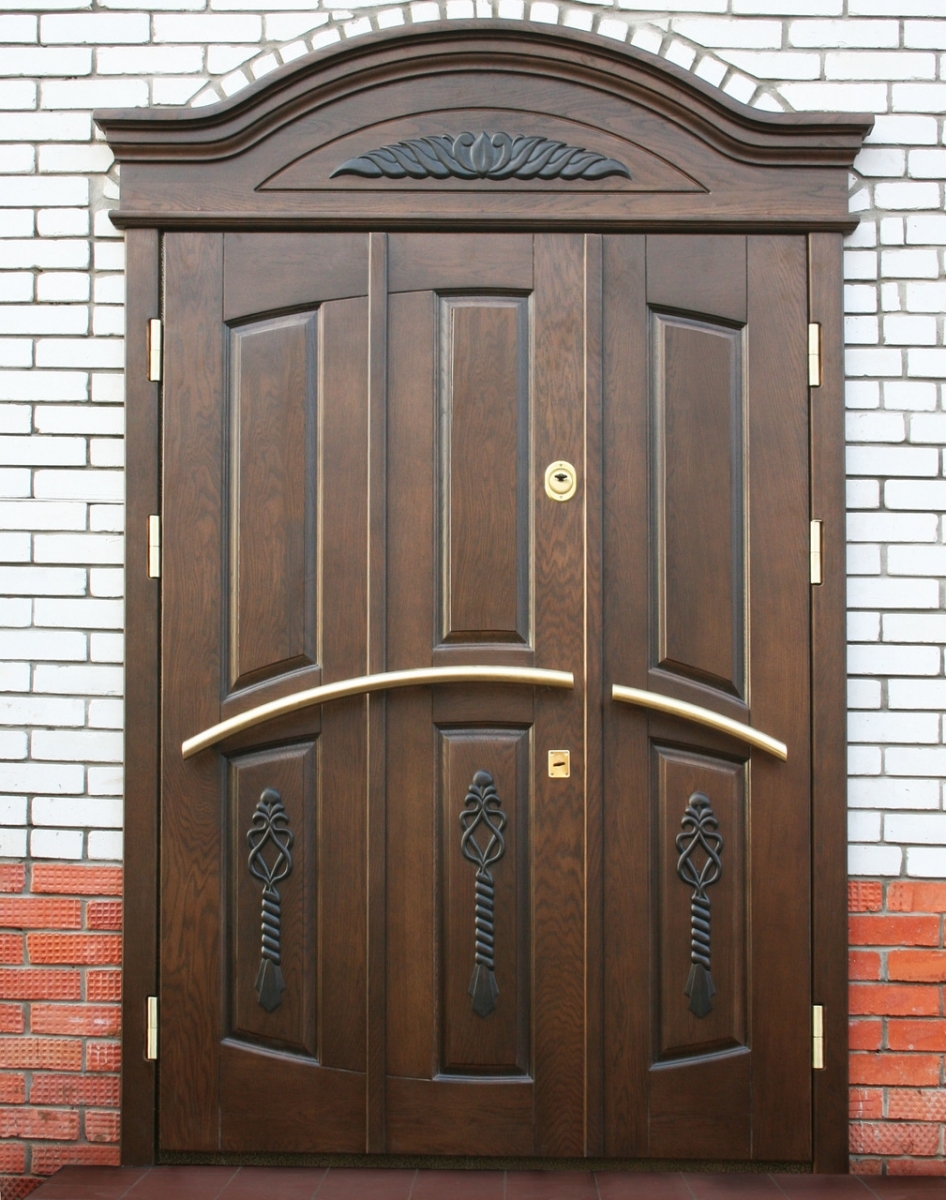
(417, 677)
(702, 716)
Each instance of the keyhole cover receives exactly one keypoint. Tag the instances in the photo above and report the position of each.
(561, 480)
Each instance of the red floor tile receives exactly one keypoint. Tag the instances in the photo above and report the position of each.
(822, 1187)
(723, 1186)
(274, 1183)
(182, 1183)
(550, 1185)
(642, 1185)
(355, 1183)
(89, 1183)
(458, 1185)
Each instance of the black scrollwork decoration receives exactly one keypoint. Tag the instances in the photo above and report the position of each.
(700, 831)
(483, 807)
(270, 826)
(481, 156)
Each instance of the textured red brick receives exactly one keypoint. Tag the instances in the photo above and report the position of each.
(865, 1035)
(914, 1166)
(103, 914)
(916, 897)
(866, 1103)
(103, 1056)
(11, 1018)
(864, 896)
(866, 1166)
(916, 1035)
(75, 880)
(893, 1000)
(18, 1187)
(908, 1104)
(40, 985)
(893, 931)
(11, 948)
(893, 1137)
(34, 1053)
(80, 1020)
(12, 1090)
(32, 912)
(896, 1070)
(12, 1158)
(97, 949)
(102, 1126)
(928, 966)
(863, 964)
(103, 985)
(46, 1160)
(12, 877)
(103, 1091)
(50, 1124)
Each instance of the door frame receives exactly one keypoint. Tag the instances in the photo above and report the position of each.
(801, 161)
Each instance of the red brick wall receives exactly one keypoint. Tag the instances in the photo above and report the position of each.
(60, 993)
(898, 1027)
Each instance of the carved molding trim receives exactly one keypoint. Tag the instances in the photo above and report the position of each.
(483, 806)
(482, 156)
(700, 830)
(270, 824)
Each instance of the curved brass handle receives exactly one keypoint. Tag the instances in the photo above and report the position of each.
(702, 716)
(416, 677)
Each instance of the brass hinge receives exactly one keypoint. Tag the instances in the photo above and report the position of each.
(816, 551)
(154, 350)
(817, 1037)
(814, 354)
(154, 547)
(151, 1046)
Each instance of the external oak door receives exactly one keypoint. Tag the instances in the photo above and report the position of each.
(450, 520)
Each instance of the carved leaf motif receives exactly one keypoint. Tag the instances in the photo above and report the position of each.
(482, 156)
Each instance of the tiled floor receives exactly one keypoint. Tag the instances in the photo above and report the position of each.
(341, 1183)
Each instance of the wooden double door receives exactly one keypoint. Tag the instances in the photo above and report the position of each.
(514, 914)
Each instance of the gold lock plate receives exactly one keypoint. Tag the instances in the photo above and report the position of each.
(560, 765)
(561, 480)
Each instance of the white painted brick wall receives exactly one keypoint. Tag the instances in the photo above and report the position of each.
(61, 295)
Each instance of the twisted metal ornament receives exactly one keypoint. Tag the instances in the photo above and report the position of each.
(270, 824)
(700, 830)
(483, 807)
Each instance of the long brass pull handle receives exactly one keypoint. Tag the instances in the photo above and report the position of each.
(416, 677)
(702, 716)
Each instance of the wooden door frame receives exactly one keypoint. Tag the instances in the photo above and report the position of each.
(169, 157)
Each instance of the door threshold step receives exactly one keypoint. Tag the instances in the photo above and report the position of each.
(354, 1183)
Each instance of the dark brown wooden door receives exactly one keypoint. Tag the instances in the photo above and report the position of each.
(386, 923)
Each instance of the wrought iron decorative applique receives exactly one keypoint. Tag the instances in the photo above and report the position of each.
(482, 156)
(270, 825)
(483, 807)
(700, 832)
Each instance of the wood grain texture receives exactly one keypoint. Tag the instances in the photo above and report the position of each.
(828, 713)
(261, 271)
(142, 700)
(459, 260)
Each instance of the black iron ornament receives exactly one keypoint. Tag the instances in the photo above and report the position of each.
(481, 156)
(700, 832)
(483, 807)
(270, 825)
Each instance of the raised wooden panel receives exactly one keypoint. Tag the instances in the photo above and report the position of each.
(291, 1026)
(698, 403)
(458, 260)
(680, 777)
(484, 469)
(497, 1043)
(261, 271)
(273, 397)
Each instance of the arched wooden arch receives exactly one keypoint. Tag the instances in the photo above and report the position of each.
(679, 214)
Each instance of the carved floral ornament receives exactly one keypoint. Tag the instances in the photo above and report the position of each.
(482, 156)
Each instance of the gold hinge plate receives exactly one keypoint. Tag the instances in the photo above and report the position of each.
(814, 354)
(154, 547)
(154, 350)
(817, 1037)
(151, 1048)
(816, 552)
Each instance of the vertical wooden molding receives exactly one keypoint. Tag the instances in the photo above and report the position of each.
(375, 1059)
(142, 762)
(828, 712)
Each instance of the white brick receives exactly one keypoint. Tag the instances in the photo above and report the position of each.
(12, 812)
(79, 485)
(863, 559)
(12, 745)
(108, 320)
(150, 60)
(926, 862)
(207, 27)
(893, 793)
(17, 223)
(15, 418)
(95, 28)
(62, 222)
(919, 760)
(108, 389)
(892, 460)
(41, 710)
(41, 514)
(83, 548)
(43, 581)
(12, 843)
(863, 493)
(107, 452)
(49, 126)
(78, 745)
(105, 581)
(71, 811)
(928, 828)
(905, 330)
(44, 318)
(780, 64)
(911, 395)
(14, 677)
(861, 393)
(919, 97)
(833, 97)
(874, 860)
(94, 159)
(875, 427)
(16, 192)
(925, 34)
(44, 385)
(110, 289)
(863, 693)
(17, 157)
(873, 362)
(910, 264)
(928, 164)
(79, 613)
(106, 781)
(15, 611)
(864, 760)
(907, 194)
(845, 64)
(56, 843)
(882, 727)
(105, 846)
(42, 451)
(15, 481)
(893, 660)
(42, 253)
(860, 298)
(898, 129)
(861, 826)
(17, 94)
(107, 647)
(928, 427)
(915, 494)
(916, 560)
(107, 518)
(106, 714)
(927, 362)
(926, 228)
(95, 93)
(14, 547)
(15, 352)
(62, 285)
(917, 693)
(880, 160)
(54, 778)
(42, 60)
(93, 680)
(868, 34)
(914, 627)
(891, 234)
(80, 352)
(84, 418)
(57, 644)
